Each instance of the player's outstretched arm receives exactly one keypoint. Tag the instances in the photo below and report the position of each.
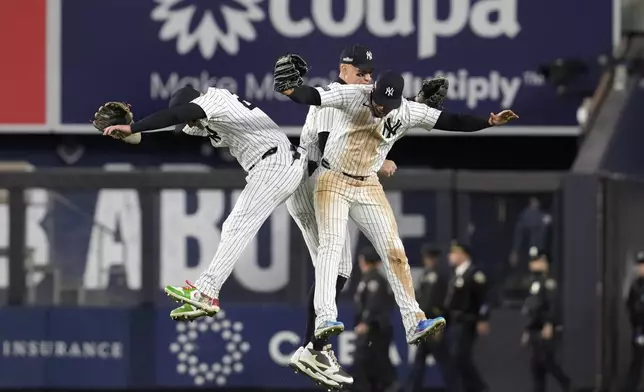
(163, 119)
(423, 116)
(452, 122)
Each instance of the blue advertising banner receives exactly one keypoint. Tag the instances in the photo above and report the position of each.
(64, 348)
(243, 346)
(490, 49)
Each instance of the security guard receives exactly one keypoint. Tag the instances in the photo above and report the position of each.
(541, 309)
(635, 306)
(467, 316)
(431, 297)
(374, 301)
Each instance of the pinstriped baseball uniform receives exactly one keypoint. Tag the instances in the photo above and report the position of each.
(357, 146)
(300, 205)
(266, 154)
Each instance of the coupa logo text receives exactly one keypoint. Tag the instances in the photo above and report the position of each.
(225, 24)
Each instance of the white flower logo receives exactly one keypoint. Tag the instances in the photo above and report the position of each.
(185, 348)
(191, 26)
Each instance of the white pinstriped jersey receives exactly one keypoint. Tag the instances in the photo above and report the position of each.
(318, 120)
(245, 129)
(359, 142)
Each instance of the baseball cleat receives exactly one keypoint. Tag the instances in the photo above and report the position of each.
(187, 312)
(427, 328)
(329, 328)
(190, 295)
(324, 366)
(318, 378)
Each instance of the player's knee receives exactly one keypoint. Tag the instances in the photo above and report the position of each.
(397, 257)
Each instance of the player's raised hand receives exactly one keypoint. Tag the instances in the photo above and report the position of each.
(502, 117)
(388, 168)
(288, 72)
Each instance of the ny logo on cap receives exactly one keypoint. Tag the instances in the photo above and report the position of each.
(369, 55)
(389, 91)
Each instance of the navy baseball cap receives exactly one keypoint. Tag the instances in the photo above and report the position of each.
(389, 90)
(457, 246)
(538, 254)
(181, 97)
(639, 257)
(357, 55)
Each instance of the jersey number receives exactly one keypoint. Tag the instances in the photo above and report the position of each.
(247, 104)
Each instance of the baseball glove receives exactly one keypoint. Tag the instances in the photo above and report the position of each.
(112, 113)
(433, 92)
(288, 72)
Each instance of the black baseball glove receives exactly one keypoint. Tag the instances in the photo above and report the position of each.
(288, 72)
(112, 113)
(433, 92)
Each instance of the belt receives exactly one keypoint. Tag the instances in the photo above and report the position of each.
(326, 165)
(272, 151)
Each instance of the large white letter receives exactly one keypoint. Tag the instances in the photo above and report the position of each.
(37, 240)
(273, 278)
(323, 16)
(116, 210)
(275, 344)
(177, 226)
(430, 27)
(282, 22)
(402, 24)
(408, 225)
(507, 22)
(346, 347)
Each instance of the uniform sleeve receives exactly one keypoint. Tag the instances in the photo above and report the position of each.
(480, 296)
(440, 293)
(552, 315)
(337, 97)
(211, 103)
(422, 116)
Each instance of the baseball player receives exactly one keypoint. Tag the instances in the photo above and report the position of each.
(356, 67)
(372, 118)
(275, 169)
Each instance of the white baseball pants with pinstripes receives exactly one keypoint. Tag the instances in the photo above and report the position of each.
(338, 197)
(301, 207)
(268, 185)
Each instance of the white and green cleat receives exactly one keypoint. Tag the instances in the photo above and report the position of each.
(191, 296)
(187, 312)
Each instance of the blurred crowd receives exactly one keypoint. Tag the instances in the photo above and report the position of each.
(459, 291)
(455, 286)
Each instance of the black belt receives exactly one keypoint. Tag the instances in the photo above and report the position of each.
(272, 151)
(326, 165)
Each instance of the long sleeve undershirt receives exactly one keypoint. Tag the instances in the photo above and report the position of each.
(169, 117)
